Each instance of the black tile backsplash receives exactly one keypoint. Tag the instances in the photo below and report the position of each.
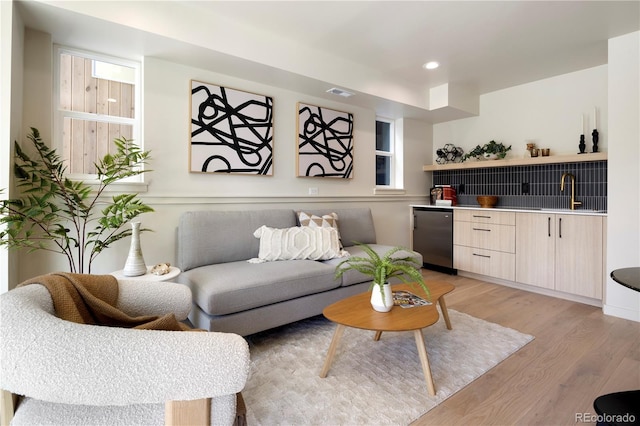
(543, 183)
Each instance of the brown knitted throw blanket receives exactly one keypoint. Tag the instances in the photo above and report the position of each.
(91, 299)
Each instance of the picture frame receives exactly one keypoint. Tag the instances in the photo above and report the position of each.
(231, 131)
(325, 142)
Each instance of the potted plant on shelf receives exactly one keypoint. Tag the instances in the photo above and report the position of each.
(490, 151)
(397, 262)
(57, 214)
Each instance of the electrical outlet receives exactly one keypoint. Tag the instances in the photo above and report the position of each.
(313, 191)
(525, 187)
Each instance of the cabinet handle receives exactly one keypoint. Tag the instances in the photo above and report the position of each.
(482, 255)
(560, 227)
(481, 229)
(549, 226)
(483, 217)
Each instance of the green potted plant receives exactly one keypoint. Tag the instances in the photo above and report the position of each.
(397, 262)
(491, 150)
(57, 214)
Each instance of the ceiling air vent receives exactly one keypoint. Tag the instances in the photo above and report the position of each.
(339, 92)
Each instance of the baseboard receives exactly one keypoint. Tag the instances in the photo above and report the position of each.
(534, 289)
(623, 313)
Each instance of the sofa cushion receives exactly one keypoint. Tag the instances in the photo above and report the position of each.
(227, 288)
(325, 221)
(298, 242)
(355, 225)
(352, 276)
(314, 221)
(209, 237)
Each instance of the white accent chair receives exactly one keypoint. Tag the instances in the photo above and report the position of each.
(76, 374)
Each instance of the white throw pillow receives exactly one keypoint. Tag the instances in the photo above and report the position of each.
(300, 242)
(325, 221)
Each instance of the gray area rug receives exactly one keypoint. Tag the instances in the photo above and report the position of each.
(370, 382)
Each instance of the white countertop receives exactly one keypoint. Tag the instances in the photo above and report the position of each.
(523, 209)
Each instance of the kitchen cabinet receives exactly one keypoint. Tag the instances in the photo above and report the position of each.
(560, 252)
(484, 242)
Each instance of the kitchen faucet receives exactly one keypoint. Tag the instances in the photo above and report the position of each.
(573, 202)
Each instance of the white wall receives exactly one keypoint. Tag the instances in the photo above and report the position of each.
(11, 70)
(546, 111)
(623, 228)
(166, 100)
(173, 189)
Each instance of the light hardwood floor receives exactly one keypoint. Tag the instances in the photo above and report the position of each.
(578, 354)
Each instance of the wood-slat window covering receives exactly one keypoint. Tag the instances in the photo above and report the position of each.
(86, 140)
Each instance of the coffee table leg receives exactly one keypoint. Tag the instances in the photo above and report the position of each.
(424, 360)
(445, 312)
(337, 335)
(377, 336)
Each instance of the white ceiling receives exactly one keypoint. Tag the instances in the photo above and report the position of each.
(373, 48)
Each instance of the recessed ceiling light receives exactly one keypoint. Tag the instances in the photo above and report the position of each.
(339, 92)
(111, 100)
(431, 65)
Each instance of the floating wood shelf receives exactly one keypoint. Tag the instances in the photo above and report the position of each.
(552, 159)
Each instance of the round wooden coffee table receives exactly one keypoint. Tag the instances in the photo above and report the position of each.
(356, 311)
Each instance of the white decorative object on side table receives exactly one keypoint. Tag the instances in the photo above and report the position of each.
(135, 265)
(173, 272)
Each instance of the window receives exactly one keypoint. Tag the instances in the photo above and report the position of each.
(97, 99)
(385, 141)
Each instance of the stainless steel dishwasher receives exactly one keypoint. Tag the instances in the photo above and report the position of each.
(433, 237)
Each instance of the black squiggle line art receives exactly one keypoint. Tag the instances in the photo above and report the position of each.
(237, 136)
(325, 147)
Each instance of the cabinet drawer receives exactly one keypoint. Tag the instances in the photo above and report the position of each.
(485, 262)
(485, 236)
(485, 216)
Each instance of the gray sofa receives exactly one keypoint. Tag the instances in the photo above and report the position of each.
(233, 295)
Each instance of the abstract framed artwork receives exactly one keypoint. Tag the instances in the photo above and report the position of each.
(231, 131)
(325, 142)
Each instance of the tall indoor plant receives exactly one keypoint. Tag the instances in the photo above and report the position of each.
(57, 214)
(396, 262)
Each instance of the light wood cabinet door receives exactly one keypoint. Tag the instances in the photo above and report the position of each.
(486, 216)
(485, 262)
(579, 255)
(485, 235)
(560, 252)
(535, 249)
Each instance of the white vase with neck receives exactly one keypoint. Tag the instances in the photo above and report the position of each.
(380, 302)
(135, 265)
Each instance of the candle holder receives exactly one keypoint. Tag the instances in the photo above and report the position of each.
(594, 137)
(582, 145)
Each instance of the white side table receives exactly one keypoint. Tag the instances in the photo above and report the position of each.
(173, 272)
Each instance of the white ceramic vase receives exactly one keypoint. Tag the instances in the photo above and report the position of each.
(379, 302)
(135, 265)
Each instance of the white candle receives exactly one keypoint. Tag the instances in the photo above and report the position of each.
(582, 124)
(595, 118)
